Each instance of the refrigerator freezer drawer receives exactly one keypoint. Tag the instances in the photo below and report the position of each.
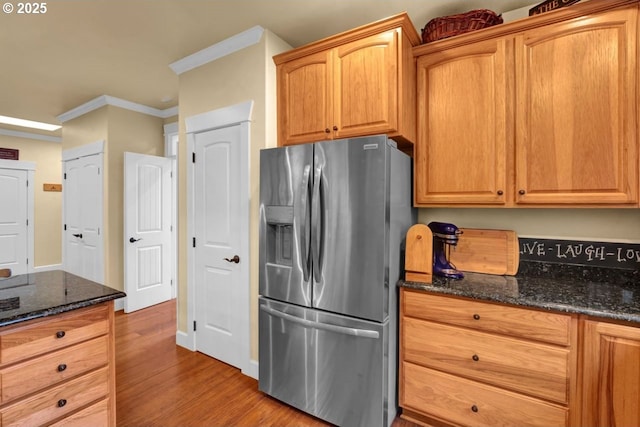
(331, 366)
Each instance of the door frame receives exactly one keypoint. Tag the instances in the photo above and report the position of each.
(30, 168)
(91, 149)
(238, 114)
(171, 142)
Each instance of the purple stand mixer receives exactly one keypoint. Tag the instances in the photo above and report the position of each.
(445, 235)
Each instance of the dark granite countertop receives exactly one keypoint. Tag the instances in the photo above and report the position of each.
(607, 293)
(30, 296)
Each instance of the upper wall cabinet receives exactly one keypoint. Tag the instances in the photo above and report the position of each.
(357, 83)
(542, 111)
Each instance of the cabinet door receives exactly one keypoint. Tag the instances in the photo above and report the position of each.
(305, 99)
(463, 126)
(611, 375)
(576, 111)
(366, 86)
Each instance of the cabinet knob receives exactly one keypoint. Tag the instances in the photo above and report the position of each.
(335, 128)
(500, 192)
(62, 402)
(475, 357)
(521, 192)
(62, 367)
(474, 408)
(60, 334)
(476, 316)
(327, 130)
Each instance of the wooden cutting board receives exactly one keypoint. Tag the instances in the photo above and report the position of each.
(419, 256)
(487, 251)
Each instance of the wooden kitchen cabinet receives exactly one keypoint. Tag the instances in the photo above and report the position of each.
(611, 374)
(470, 363)
(539, 112)
(59, 369)
(361, 82)
(463, 138)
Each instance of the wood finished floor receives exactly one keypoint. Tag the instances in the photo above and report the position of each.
(161, 384)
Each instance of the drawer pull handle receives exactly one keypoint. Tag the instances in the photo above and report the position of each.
(475, 357)
(62, 367)
(60, 334)
(62, 402)
(474, 408)
(476, 316)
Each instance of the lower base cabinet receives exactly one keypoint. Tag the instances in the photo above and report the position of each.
(469, 363)
(59, 370)
(611, 379)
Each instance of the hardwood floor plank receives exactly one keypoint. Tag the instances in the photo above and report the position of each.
(159, 384)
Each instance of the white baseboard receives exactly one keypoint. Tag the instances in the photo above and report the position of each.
(183, 339)
(47, 268)
(119, 304)
(253, 369)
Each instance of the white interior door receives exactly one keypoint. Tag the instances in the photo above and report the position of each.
(220, 203)
(83, 254)
(13, 220)
(147, 230)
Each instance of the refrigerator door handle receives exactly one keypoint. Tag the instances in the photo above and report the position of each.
(304, 227)
(317, 231)
(364, 333)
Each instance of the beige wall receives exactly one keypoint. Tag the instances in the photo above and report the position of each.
(619, 225)
(47, 205)
(245, 75)
(122, 130)
(88, 128)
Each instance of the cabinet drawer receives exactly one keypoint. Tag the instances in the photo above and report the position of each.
(42, 336)
(520, 322)
(58, 401)
(35, 374)
(96, 415)
(469, 403)
(532, 368)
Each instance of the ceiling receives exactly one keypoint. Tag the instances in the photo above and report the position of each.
(81, 49)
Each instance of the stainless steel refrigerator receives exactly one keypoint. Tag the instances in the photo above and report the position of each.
(333, 217)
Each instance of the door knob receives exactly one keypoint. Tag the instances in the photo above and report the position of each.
(79, 235)
(132, 240)
(235, 259)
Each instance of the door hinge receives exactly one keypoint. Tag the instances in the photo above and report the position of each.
(194, 326)
(193, 157)
(27, 183)
(194, 242)
(27, 222)
(65, 227)
(65, 175)
(98, 171)
(27, 261)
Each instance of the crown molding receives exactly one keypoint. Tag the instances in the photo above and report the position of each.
(30, 135)
(103, 100)
(225, 47)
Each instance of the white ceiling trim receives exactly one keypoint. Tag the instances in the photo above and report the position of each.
(30, 135)
(103, 100)
(225, 47)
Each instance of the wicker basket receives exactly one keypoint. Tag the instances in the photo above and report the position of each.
(452, 25)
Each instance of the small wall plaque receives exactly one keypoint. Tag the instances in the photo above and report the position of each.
(52, 187)
(549, 5)
(8, 154)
